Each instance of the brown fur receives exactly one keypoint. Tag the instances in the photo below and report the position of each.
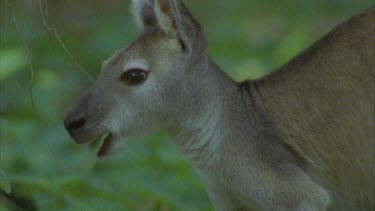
(322, 104)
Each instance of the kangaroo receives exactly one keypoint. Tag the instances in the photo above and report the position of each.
(300, 138)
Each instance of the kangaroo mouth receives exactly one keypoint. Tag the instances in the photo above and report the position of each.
(103, 144)
(106, 146)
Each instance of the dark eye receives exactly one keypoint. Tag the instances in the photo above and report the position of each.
(134, 76)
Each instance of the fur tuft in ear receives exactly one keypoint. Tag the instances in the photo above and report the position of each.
(165, 16)
(177, 22)
(143, 13)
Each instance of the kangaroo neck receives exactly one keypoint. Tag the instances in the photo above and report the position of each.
(222, 117)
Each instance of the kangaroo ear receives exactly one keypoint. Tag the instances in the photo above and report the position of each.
(176, 21)
(143, 12)
(167, 15)
(173, 18)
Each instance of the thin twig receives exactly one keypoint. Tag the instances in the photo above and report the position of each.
(53, 29)
(27, 52)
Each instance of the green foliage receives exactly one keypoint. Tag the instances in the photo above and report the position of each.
(12, 60)
(246, 38)
(4, 182)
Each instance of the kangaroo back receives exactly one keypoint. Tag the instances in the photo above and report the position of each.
(322, 103)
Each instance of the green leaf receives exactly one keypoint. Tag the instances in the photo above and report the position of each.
(12, 60)
(4, 182)
(98, 142)
(76, 204)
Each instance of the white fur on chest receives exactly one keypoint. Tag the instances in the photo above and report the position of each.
(201, 138)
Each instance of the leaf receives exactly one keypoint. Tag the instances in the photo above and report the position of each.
(98, 142)
(4, 182)
(76, 204)
(12, 60)
(91, 156)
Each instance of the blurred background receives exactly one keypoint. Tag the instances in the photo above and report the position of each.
(47, 171)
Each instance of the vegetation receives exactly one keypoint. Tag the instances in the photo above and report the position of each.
(47, 171)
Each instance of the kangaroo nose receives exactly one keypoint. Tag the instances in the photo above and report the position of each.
(74, 125)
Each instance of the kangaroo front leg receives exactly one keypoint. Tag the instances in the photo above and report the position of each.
(290, 189)
(220, 198)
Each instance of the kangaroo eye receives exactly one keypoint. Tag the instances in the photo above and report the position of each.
(134, 76)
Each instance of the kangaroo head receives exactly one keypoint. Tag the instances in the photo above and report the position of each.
(148, 85)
